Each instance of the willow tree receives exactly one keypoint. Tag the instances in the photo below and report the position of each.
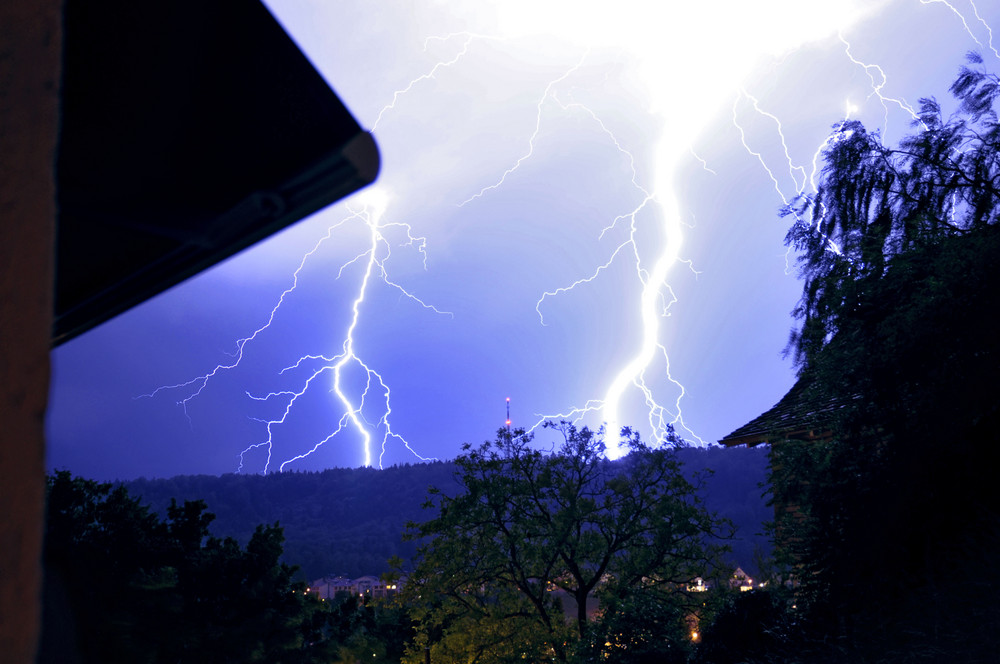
(899, 249)
(513, 564)
(878, 205)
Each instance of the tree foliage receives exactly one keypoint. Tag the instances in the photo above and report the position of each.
(122, 585)
(893, 517)
(877, 205)
(367, 630)
(512, 566)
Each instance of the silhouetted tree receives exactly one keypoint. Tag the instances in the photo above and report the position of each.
(137, 589)
(876, 206)
(511, 566)
(899, 252)
(369, 630)
(751, 627)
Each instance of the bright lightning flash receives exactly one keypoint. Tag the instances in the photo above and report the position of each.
(368, 209)
(684, 94)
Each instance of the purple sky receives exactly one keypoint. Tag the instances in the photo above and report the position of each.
(511, 137)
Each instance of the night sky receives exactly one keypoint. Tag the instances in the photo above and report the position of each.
(642, 155)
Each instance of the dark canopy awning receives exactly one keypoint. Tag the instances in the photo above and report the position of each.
(190, 130)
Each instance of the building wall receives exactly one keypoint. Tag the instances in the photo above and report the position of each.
(370, 586)
(30, 46)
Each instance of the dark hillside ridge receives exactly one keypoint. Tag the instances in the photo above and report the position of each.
(349, 521)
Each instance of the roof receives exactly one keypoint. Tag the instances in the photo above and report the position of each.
(806, 411)
(190, 130)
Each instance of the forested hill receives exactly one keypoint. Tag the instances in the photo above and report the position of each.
(350, 521)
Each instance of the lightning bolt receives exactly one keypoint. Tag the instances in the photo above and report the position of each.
(877, 77)
(466, 38)
(798, 174)
(534, 134)
(355, 408)
(965, 22)
(375, 257)
(657, 295)
(200, 382)
(353, 412)
(779, 130)
(704, 164)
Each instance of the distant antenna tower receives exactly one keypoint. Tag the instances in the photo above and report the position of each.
(508, 413)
